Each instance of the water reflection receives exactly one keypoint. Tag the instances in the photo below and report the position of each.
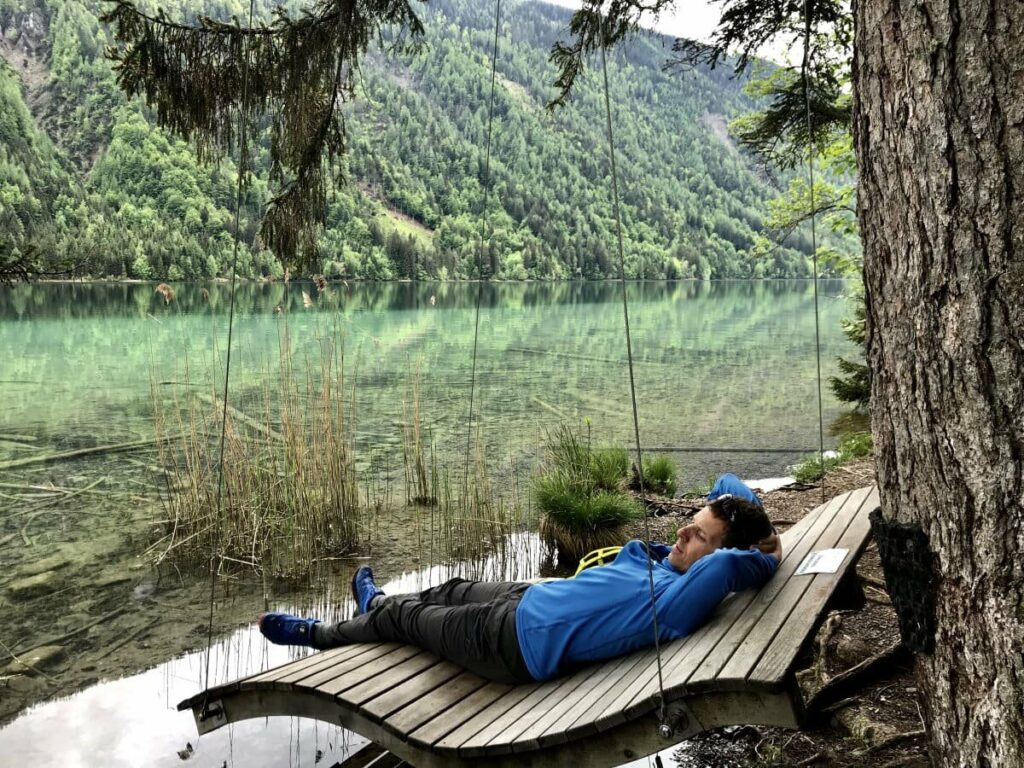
(134, 721)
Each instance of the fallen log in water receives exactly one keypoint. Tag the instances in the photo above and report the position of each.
(99, 449)
(263, 429)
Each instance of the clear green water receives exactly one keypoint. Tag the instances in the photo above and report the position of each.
(718, 366)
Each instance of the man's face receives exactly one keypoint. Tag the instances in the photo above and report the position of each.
(701, 537)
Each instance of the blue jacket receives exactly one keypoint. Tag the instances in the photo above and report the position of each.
(606, 612)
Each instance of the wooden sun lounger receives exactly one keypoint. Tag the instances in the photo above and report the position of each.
(737, 669)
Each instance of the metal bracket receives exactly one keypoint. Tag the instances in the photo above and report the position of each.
(677, 720)
(211, 717)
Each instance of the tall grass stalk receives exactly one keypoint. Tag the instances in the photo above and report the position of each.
(463, 524)
(291, 493)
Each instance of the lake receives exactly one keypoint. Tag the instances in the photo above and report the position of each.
(725, 380)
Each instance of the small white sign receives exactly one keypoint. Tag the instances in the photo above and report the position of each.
(822, 561)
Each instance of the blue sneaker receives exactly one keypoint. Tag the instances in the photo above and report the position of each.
(364, 588)
(285, 629)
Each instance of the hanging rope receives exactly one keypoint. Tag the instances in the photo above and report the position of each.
(805, 69)
(480, 266)
(632, 382)
(215, 544)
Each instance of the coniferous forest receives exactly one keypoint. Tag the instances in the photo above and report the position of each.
(91, 187)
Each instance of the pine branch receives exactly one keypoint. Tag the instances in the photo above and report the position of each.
(591, 33)
(302, 70)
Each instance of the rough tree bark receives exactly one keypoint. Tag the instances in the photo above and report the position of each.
(939, 131)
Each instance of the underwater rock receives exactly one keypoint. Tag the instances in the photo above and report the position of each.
(54, 562)
(40, 658)
(25, 685)
(33, 586)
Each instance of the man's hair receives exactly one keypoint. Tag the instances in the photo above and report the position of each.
(746, 523)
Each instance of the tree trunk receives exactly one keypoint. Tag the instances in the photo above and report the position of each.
(938, 121)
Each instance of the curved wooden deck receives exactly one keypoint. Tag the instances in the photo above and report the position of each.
(737, 669)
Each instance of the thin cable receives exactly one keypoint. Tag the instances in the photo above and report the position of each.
(480, 276)
(805, 67)
(632, 383)
(215, 545)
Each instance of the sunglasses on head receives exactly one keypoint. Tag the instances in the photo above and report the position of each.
(732, 509)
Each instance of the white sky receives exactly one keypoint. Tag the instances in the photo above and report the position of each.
(694, 19)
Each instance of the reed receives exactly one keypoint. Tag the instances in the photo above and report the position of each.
(290, 492)
(464, 521)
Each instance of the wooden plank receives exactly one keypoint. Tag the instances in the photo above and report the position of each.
(646, 660)
(314, 678)
(553, 728)
(393, 700)
(564, 714)
(750, 611)
(497, 737)
(314, 661)
(435, 704)
(365, 756)
(749, 652)
(787, 643)
(440, 727)
(485, 717)
(364, 672)
(686, 654)
(390, 679)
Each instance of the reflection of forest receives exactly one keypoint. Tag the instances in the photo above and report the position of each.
(82, 300)
(718, 365)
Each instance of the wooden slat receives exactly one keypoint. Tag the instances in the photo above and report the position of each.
(648, 665)
(315, 678)
(485, 717)
(507, 725)
(784, 648)
(560, 718)
(323, 658)
(749, 652)
(750, 610)
(440, 727)
(597, 677)
(390, 679)
(364, 672)
(384, 705)
(435, 704)
(307, 666)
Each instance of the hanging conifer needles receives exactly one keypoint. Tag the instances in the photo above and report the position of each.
(303, 69)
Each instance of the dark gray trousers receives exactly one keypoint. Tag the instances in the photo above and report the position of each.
(470, 623)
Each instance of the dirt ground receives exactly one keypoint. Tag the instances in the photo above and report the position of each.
(882, 725)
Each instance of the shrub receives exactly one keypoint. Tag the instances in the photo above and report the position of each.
(660, 476)
(579, 495)
(851, 446)
(855, 445)
(576, 522)
(609, 467)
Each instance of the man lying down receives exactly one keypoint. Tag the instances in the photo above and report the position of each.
(516, 632)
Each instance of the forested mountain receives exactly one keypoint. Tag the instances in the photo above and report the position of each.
(87, 178)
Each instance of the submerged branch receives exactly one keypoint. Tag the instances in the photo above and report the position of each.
(117, 448)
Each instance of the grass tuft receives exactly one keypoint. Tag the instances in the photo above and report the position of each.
(851, 446)
(579, 495)
(660, 476)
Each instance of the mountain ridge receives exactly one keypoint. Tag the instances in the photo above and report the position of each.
(136, 204)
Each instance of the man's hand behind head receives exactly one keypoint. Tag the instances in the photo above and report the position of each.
(771, 545)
